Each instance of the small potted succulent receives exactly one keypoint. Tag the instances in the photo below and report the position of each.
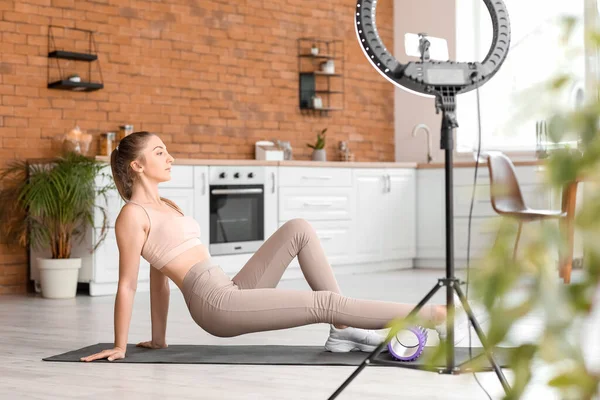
(319, 152)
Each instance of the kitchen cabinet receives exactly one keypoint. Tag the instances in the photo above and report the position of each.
(323, 197)
(385, 221)
(315, 204)
(367, 218)
(370, 191)
(334, 237)
(359, 214)
(399, 228)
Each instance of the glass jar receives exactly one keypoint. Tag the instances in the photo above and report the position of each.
(124, 130)
(106, 143)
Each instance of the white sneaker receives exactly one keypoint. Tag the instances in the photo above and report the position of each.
(461, 322)
(353, 339)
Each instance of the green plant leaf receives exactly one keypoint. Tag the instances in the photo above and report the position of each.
(52, 203)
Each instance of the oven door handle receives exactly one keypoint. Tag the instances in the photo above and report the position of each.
(236, 191)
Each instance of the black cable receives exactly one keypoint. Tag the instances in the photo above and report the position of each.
(469, 232)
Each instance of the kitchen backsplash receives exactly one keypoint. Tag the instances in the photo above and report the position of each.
(211, 77)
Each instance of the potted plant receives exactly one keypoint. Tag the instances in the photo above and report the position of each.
(48, 204)
(319, 152)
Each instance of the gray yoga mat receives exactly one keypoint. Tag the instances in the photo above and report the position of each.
(250, 355)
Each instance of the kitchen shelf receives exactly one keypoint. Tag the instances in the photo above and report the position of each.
(71, 55)
(66, 84)
(62, 81)
(313, 82)
(324, 56)
(324, 73)
(324, 91)
(319, 111)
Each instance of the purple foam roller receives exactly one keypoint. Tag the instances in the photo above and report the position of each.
(408, 344)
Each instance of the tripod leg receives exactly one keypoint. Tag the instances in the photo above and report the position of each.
(380, 348)
(425, 299)
(488, 351)
(358, 371)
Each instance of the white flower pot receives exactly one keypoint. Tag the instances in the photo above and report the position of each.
(328, 67)
(58, 277)
(319, 155)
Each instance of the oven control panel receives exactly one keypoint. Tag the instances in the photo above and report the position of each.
(236, 175)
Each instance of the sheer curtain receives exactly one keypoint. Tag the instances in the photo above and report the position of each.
(536, 55)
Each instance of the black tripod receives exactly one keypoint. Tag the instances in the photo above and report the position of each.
(445, 102)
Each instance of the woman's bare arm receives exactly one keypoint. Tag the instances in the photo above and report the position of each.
(130, 240)
(131, 235)
(160, 294)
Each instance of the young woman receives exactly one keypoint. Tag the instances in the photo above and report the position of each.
(155, 228)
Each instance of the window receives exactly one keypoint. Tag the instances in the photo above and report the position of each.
(535, 56)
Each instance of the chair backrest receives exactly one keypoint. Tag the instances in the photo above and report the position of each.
(505, 192)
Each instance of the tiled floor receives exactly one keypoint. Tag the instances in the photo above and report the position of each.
(32, 328)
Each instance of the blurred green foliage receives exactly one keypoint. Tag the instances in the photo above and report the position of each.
(529, 287)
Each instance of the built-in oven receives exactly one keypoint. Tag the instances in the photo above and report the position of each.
(237, 208)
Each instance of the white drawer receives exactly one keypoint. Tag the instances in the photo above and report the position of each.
(315, 203)
(334, 237)
(311, 177)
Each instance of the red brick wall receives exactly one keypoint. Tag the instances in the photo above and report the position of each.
(212, 77)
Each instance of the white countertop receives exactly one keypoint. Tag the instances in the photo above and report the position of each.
(322, 164)
(292, 163)
(330, 164)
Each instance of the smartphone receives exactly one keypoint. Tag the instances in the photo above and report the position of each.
(438, 48)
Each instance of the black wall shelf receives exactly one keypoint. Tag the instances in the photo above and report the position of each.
(75, 86)
(320, 92)
(326, 91)
(62, 82)
(320, 73)
(325, 56)
(70, 55)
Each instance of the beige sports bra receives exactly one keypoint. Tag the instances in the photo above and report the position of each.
(170, 235)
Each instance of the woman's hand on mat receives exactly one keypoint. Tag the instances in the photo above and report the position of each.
(152, 345)
(112, 354)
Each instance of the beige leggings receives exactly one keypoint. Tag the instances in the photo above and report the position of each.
(250, 303)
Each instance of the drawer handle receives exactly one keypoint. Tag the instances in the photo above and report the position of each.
(325, 237)
(318, 204)
(321, 178)
(236, 191)
(273, 182)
